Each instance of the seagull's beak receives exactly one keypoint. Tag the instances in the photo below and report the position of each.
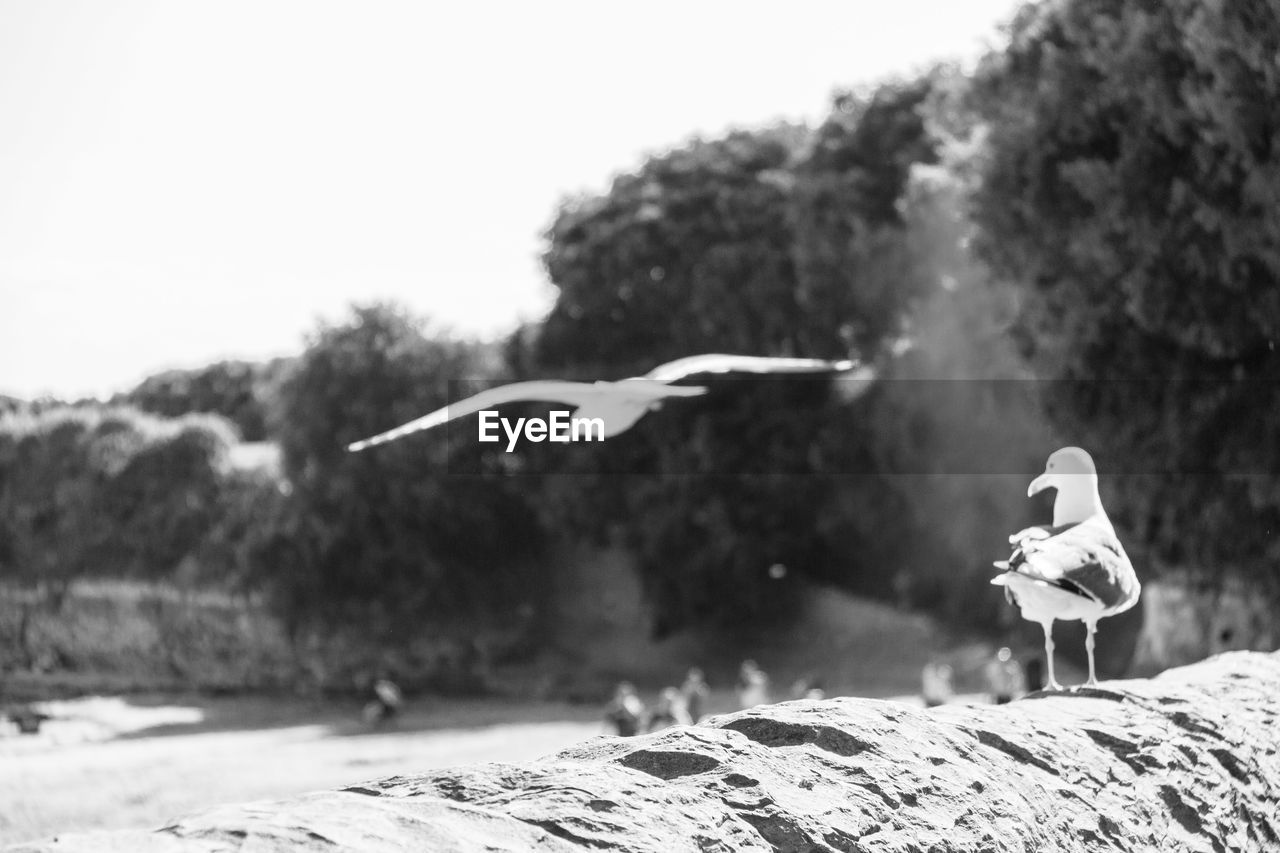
(1039, 484)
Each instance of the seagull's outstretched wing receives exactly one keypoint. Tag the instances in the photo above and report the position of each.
(571, 393)
(629, 400)
(718, 363)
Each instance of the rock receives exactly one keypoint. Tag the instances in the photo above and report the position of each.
(1185, 619)
(1187, 761)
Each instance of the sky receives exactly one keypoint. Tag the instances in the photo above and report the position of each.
(184, 181)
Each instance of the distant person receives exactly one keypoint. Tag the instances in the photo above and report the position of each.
(25, 717)
(669, 711)
(696, 693)
(753, 685)
(626, 711)
(902, 590)
(385, 704)
(935, 684)
(808, 687)
(1004, 677)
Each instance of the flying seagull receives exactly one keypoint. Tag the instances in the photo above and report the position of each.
(618, 404)
(1074, 569)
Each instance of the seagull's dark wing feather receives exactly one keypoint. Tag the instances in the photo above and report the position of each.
(1085, 559)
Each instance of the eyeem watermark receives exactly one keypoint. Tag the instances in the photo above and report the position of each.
(560, 427)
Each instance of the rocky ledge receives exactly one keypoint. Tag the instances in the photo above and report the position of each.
(1185, 761)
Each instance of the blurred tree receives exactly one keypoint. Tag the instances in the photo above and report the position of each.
(956, 425)
(388, 537)
(238, 390)
(167, 497)
(857, 281)
(774, 242)
(104, 492)
(1131, 188)
(252, 506)
(690, 254)
(108, 491)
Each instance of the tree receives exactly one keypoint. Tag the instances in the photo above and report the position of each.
(956, 427)
(392, 539)
(238, 390)
(856, 277)
(1130, 188)
(163, 502)
(107, 491)
(773, 242)
(104, 492)
(692, 253)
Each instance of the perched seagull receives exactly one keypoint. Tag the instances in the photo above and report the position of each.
(1074, 569)
(619, 404)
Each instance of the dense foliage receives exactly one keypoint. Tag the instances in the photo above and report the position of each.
(1131, 188)
(89, 493)
(240, 391)
(389, 536)
(773, 242)
(107, 493)
(1091, 222)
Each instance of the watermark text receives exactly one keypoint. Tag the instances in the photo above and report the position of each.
(560, 427)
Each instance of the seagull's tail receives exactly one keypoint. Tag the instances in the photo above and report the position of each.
(1002, 580)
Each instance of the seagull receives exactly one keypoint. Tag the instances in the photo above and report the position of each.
(618, 404)
(1075, 568)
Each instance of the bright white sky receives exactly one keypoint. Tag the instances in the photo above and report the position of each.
(188, 180)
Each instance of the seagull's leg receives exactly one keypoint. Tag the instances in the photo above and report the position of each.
(1091, 628)
(1052, 683)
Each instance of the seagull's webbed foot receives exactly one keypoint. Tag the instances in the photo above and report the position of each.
(1052, 687)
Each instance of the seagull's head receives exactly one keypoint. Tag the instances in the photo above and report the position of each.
(1070, 471)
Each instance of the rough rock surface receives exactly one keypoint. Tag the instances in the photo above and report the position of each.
(1189, 760)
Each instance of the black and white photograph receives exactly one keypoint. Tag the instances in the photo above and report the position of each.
(824, 427)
